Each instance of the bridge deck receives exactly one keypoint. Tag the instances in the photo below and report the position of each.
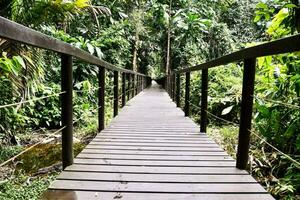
(151, 151)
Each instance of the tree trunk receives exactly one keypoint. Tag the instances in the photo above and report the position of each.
(135, 50)
(168, 52)
(168, 70)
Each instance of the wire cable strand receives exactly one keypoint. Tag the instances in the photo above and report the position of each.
(46, 140)
(79, 91)
(255, 134)
(259, 137)
(31, 100)
(278, 102)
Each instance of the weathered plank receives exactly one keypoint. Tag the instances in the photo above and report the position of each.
(155, 169)
(154, 144)
(141, 148)
(158, 138)
(95, 195)
(161, 141)
(157, 187)
(152, 157)
(157, 178)
(175, 163)
(166, 153)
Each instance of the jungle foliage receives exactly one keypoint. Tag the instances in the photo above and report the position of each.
(133, 35)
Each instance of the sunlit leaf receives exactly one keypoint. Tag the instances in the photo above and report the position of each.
(90, 48)
(227, 110)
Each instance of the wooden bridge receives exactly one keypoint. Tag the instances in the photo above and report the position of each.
(151, 151)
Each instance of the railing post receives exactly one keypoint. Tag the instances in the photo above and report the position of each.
(128, 86)
(149, 81)
(178, 90)
(141, 83)
(246, 113)
(137, 85)
(101, 99)
(67, 110)
(167, 84)
(123, 89)
(170, 85)
(174, 87)
(116, 92)
(133, 86)
(187, 94)
(204, 94)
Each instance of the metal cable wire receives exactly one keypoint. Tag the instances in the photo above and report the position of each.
(46, 140)
(78, 91)
(278, 102)
(254, 133)
(31, 100)
(194, 105)
(259, 137)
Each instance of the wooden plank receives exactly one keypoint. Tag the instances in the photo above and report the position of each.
(153, 157)
(157, 187)
(104, 143)
(166, 163)
(157, 127)
(153, 132)
(155, 170)
(137, 135)
(141, 148)
(168, 153)
(95, 195)
(153, 140)
(158, 178)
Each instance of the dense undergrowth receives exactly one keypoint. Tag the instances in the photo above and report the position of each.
(134, 35)
(21, 186)
(29, 175)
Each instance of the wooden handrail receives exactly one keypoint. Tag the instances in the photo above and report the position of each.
(249, 56)
(13, 31)
(284, 45)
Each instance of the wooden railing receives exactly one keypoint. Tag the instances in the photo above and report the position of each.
(136, 82)
(248, 55)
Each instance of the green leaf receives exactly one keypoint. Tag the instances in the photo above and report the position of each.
(257, 18)
(261, 5)
(99, 52)
(20, 60)
(290, 5)
(90, 48)
(86, 85)
(227, 110)
(276, 23)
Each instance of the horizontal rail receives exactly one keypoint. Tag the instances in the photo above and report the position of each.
(284, 45)
(249, 57)
(13, 31)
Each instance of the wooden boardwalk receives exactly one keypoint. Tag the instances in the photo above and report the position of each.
(151, 151)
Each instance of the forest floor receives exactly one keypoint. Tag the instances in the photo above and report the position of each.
(31, 173)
